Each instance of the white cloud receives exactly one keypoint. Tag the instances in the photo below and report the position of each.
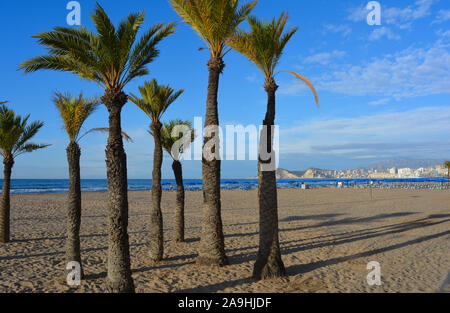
(345, 30)
(252, 78)
(418, 132)
(442, 16)
(443, 34)
(292, 89)
(401, 17)
(380, 102)
(383, 32)
(409, 73)
(324, 58)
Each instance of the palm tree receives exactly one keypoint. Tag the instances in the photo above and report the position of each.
(74, 111)
(155, 100)
(15, 135)
(264, 45)
(214, 21)
(447, 165)
(168, 140)
(112, 58)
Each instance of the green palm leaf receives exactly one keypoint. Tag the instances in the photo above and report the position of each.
(264, 45)
(156, 99)
(111, 57)
(74, 111)
(213, 20)
(168, 138)
(105, 130)
(15, 133)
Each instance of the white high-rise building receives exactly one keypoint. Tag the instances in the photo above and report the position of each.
(404, 172)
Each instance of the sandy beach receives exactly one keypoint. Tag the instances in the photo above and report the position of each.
(327, 238)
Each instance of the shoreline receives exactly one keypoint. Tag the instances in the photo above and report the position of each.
(282, 186)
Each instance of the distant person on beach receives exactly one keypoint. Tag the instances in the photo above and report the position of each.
(171, 187)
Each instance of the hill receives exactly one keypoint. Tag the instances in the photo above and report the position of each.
(405, 162)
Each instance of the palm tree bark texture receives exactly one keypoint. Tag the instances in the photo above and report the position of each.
(156, 222)
(212, 246)
(268, 263)
(5, 205)
(178, 227)
(73, 207)
(119, 278)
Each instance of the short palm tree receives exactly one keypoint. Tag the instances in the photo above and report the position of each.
(264, 45)
(214, 21)
(169, 138)
(155, 100)
(447, 165)
(112, 58)
(15, 135)
(74, 111)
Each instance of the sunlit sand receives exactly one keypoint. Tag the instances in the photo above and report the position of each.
(327, 238)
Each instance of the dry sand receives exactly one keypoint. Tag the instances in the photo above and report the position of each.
(327, 238)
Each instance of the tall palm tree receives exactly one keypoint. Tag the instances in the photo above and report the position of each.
(447, 165)
(155, 100)
(111, 58)
(264, 45)
(15, 135)
(168, 141)
(214, 21)
(74, 111)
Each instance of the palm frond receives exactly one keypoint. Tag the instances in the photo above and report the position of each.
(213, 20)
(308, 83)
(30, 147)
(74, 111)
(106, 130)
(112, 57)
(169, 136)
(264, 43)
(15, 133)
(156, 99)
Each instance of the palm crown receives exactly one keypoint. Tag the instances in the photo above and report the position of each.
(110, 58)
(265, 42)
(168, 140)
(15, 134)
(213, 20)
(74, 111)
(156, 99)
(264, 45)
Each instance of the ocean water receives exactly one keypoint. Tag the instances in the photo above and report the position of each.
(42, 186)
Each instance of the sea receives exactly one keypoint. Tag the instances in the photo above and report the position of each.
(44, 186)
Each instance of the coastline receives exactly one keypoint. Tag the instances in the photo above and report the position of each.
(60, 186)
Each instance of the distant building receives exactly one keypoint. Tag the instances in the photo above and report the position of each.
(393, 171)
(442, 172)
(404, 172)
(379, 168)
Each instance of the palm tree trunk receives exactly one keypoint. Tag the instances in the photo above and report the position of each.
(5, 204)
(178, 223)
(268, 263)
(156, 222)
(73, 207)
(212, 245)
(119, 278)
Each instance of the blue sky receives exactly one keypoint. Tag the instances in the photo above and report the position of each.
(384, 89)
